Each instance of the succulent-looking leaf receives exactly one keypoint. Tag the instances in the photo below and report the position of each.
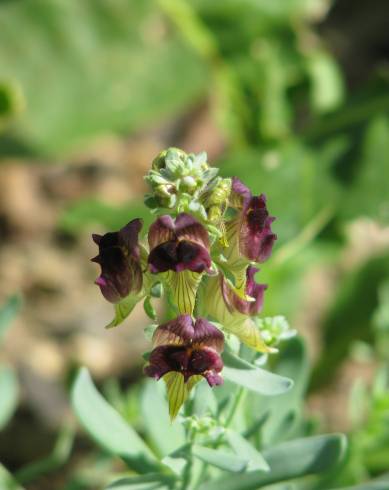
(183, 289)
(164, 437)
(253, 378)
(246, 450)
(107, 427)
(292, 459)
(124, 308)
(155, 481)
(178, 391)
(221, 459)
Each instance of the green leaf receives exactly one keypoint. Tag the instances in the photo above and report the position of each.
(108, 67)
(373, 485)
(107, 427)
(292, 459)
(327, 89)
(149, 308)
(8, 312)
(253, 378)
(246, 450)
(7, 482)
(216, 457)
(9, 394)
(146, 482)
(58, 457)
(164, 435)
(123, 309)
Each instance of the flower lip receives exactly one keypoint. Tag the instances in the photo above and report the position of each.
(178, 245)
(186, 360)
(119, 258)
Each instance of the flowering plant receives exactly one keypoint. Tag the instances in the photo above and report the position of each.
(201, 254)
(202, 248)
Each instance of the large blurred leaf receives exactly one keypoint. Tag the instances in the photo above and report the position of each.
(293, 459)
(107, 427)
(368, 194)
(350, 316)
(7, 482)
(94, 66)
(8, 394)
(92, 212)
(8, 311)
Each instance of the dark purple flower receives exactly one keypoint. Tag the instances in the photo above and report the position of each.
(255, 237)
(253, 289)
(178, 245)
(187, 347)
(119, 259)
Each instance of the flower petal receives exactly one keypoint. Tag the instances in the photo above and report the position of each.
(256, 238)
(240, 193)
(162, 230)
(178, 331)
(206, 334)
(188, 228)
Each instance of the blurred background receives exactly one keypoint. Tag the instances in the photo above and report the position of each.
(289, 95)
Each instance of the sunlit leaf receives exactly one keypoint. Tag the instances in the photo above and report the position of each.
(7, 482)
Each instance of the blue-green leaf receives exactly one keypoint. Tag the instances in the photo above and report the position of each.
(146, 482)
(245, 450)
(256, 379)
(292, 459)
(164, 435)
(9, 393)
(221, 459)
(107, 427)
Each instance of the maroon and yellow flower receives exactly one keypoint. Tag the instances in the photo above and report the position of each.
(233, 308)
(178, 245)
(119, 258)
(179, 251)
(184, 351)
(188, 347)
